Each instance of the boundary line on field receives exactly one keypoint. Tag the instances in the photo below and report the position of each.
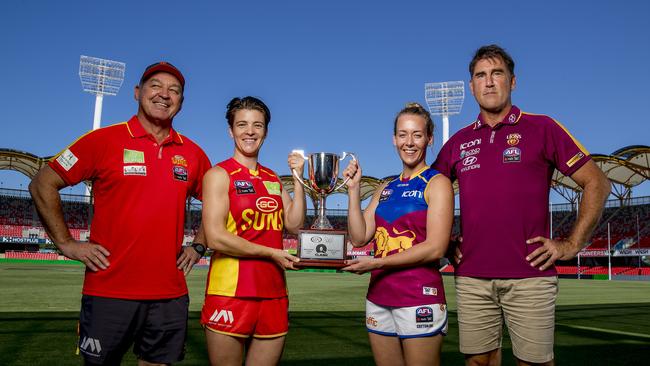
(602, 330)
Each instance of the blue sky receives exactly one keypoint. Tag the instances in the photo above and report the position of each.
(333, 73)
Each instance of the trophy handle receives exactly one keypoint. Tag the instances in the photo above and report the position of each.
(343, 156)
(295, 173)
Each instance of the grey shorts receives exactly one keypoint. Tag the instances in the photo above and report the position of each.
(526, 305)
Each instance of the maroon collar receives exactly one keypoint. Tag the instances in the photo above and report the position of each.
(510, 119)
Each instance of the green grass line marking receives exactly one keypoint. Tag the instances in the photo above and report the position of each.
(610, 331)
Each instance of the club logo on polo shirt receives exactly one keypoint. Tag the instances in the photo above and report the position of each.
(385, 194)
(244, 187)
(179, 160)
(513, 139)
(512, 155)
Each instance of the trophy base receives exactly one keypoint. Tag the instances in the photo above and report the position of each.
(315, 263)
(322, 249)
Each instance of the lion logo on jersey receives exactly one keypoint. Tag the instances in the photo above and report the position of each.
(387, 243)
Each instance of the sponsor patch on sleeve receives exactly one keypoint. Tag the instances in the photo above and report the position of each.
(272, 187)
(133, 156)
(67, 159)
(575, 159)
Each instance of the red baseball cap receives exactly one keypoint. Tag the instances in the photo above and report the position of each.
(162, 66)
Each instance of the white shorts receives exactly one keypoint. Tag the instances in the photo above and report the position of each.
(407, 322)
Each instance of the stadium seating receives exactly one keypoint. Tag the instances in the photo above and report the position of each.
(629, 227)
(31, 255)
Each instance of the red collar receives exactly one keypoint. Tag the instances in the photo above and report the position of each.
(137, 131)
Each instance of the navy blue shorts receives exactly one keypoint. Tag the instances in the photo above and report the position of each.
(156, 328)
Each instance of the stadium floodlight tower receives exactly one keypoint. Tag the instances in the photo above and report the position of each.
(100, 77)
(444, 99)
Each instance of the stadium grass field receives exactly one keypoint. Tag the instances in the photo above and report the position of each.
(598, 322)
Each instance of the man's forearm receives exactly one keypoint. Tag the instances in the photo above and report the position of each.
(50, 210)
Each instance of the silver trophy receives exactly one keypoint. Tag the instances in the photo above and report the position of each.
(322, 246)
(323, 170)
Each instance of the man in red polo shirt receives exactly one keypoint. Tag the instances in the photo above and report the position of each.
(142, 172)
(504, 162)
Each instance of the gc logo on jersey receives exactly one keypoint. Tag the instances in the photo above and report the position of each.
(244, 187)
(266, 204)
(385, 194)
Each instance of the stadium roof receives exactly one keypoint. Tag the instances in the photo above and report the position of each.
(20, 161)
(626, 168)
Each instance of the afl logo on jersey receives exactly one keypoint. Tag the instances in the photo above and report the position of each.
(266, 204)
(385, 194)
(243, 184)
(244, 187)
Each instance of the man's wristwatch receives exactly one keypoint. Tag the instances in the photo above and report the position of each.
(200, 248)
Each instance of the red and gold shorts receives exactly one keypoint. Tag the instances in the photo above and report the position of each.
(239, 317)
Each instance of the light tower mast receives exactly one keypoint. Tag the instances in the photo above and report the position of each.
(100, 77)
(444, 99)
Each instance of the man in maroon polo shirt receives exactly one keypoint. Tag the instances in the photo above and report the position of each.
(142, 173)
(504, 162)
